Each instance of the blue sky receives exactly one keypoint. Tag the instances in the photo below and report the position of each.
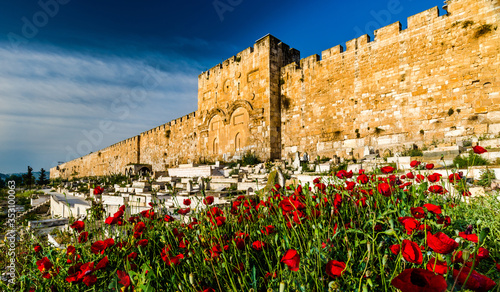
(77, 76)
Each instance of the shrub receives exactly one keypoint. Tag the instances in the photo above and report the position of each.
(486, 177)
(482, 30)
(412, 152)
(471, 160)
(249, 159)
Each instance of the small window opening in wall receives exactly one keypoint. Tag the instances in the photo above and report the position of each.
(215, 146)
(237, 142)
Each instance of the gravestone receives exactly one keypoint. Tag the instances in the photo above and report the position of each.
(201, 183)
(296, 161)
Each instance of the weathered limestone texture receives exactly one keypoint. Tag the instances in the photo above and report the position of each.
(436, 81)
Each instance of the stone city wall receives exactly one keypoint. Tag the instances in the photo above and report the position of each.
(433, 82)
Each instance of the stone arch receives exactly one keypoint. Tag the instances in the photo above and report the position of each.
(239, 129)
(216, 134)
(214, 112)
(237, 104)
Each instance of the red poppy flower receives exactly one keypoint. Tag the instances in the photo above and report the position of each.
(409, 223)
(335, 269)
(102, 263)
(268, 230)
(384, 189)
(441, 243)
(429, 166)
(418, 212)
(435, 177)
(362, 179)
(124, 278)
(341, 174)
(70, 250)
(350, 185)
(184, 211)
(483, 253)
(142, 243)
(437, 266)
(411, 252)
(476, 281)
(420, 178)
(446, 220)
(387, 169)
(186, 202)
(98, 190)
(454, 177)
(437, 189)
(410, 175)
(220, 220)
(291, 259)
(414, 163)
(98, 247)
(419, 280)
(258, 245)
(168, 218)
(479, 150)
(38, 248)
(208, 200)
(433, 208)
(83, 237)
(78, 226)
(395, 248)
(44, 265)
(89, 280)
(469, 237)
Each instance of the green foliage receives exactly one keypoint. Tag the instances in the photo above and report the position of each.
(471, 160)
(412, 152)
(486, 177)
(249, 158)
(353, 232)
(341, 166)
(323, 159)
(28, 178)
(305, 167)
(234, 171)
(467, 143)
(42, 180)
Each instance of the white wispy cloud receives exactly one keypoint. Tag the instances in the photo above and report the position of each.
(50, 95)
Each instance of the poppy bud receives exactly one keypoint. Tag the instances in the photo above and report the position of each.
(282, 287)
(465, 255)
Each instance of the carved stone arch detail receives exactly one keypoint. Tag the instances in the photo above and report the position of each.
(237, 104)
(213, 113)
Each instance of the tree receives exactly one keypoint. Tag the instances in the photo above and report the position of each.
(2, 183)
(28, 178)
(42, 180)
(16, 178)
